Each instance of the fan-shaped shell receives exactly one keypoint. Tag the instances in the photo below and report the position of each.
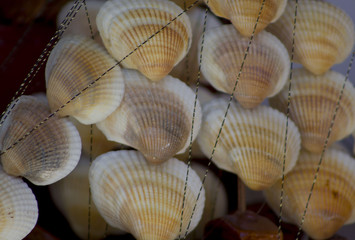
(333, 198)
(251, 143)
(324, 34)
(243, 13)
(72, 66)
(313, 102)
(71, 196)
(187, 69)
(18, 208)
(49, 153)
(264, 73)
(154, 118)
(144, 199)
(80, 24)
(126, 24)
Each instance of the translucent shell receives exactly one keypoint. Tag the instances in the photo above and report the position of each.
(71, 196)
(251, 144)
(49, 153)
(143, 199)
(333, 198)
(126, 24)
(243, 13)
(313, 102)
(74, 63)
(324, 34)
(154, 118)
(264, 73)
(18, 208)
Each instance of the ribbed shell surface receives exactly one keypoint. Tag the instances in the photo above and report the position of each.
(333, 198)
(126, 24)
(144, 199)
(74, 64)
(49, 153)
(18, 208)
(71, 196)
(251, 144)
(155, 118)
(264, 73)
(313, 102)
(324, 34)
(243, 13)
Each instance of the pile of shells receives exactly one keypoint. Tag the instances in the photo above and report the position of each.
(110, 89)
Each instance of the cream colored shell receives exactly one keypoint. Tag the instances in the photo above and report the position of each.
(71, 196)
(125, 25)
(243, 13)
(154, 118)
(324, 34)
(265, 70)
(18, 208)
(313, 102)
(73, 65)
(251, 144)
(49, 153)
(333, 198)
(144, 199)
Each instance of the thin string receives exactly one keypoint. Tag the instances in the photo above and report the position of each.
(325, 144)
(94, 81)
(40, 61)
(287, 120)
(91, 132)
(193, 120)
(225, 116)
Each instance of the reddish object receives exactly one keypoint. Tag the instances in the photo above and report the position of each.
(241, 226)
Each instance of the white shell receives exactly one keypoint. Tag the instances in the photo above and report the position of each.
(145, 199)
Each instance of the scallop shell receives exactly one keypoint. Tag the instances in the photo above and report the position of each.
(49, 153)
(18, 208)
(126, 24)
(72, 66)
(99, 145)
(251, 144)
(216, 203)
(71, 196)
(264, 73)
(154, 118)
(145, 199)
(324, 34)
(243, 13)
(333, 198)
(187, 69)
(313, 102)
(80, 25)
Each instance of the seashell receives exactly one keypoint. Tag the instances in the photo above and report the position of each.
(265, 71)
(18, 208)
(72, 66)
(324, 34)
(333, 198)
(184, 4)
(80, 25)
(100, 144)
(216, 202)
(125, 24)
(187, 69)
(71, 196)
(154, 118)
(49, 153)
(143, 199)
(243, 13)
(313, 102)
(251, 144)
